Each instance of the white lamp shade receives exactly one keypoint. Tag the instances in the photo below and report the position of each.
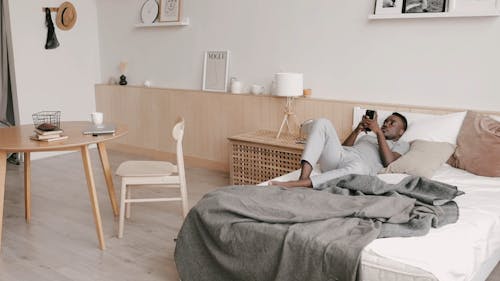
(287, 84)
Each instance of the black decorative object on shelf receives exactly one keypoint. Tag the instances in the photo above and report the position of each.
(123, 80)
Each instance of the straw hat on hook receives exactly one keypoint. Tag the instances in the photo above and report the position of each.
(66, 16)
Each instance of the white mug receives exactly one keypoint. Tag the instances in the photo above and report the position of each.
(236, 86)
(257, 89)
(97, 118)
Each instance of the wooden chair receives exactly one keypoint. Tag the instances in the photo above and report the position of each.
(147, 173)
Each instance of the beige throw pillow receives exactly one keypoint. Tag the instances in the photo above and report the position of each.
(478, 146)
(423, 158)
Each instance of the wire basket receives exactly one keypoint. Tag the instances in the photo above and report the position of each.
(47, 120)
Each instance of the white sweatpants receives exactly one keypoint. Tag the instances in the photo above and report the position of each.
(323, 147)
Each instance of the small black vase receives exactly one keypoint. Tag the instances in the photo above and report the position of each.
(123, 80)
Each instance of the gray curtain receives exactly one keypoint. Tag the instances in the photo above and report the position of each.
(6, 109)
(3, 64)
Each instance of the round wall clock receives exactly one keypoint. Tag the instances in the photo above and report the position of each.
(149, 11)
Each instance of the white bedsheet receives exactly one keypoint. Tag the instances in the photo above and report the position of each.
(454, 252)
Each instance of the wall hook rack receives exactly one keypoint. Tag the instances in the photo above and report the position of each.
(52, 9)
(66, 15)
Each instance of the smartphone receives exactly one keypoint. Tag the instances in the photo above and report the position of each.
(370, 114)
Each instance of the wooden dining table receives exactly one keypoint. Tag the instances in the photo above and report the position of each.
(17, 139)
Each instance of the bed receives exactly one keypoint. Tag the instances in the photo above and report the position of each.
(467, 250)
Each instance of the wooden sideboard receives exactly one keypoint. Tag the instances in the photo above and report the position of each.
(259, 156)
(211, 118)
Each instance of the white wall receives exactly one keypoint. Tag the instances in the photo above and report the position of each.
(59, 79)
(445, 62)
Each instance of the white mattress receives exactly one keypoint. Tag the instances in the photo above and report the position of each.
(466, 250)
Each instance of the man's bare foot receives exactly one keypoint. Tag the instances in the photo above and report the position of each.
(296, 183)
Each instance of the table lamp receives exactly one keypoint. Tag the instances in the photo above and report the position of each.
(289, 85)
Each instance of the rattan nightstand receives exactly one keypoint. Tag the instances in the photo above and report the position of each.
(258, 156)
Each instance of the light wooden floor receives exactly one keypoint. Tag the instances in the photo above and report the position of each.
(61, 243)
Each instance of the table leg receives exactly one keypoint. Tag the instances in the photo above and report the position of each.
(108, 176)
(3, 167)
(27, 187)
(92, 194)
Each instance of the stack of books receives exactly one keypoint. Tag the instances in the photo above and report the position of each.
(54, 135)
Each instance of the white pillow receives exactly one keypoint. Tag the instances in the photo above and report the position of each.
(440, 128)
(429, 127)
(358, 113)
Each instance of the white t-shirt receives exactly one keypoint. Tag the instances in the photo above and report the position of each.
(368, 149)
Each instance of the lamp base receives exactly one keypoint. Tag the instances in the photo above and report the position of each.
(288, 117)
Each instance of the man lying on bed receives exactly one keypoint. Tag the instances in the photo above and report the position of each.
(367, 156)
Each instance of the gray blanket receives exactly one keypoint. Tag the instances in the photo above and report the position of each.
(272, 233)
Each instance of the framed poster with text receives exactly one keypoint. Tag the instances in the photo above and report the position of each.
(215, 71)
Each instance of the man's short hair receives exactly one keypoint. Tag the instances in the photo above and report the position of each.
(401, 116)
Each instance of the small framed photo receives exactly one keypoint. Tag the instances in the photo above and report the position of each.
(383, 7)
(215, 71)
(170, 10)
(424, 6)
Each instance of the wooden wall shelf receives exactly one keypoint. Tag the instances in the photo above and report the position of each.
(491, 13)
(183, 22)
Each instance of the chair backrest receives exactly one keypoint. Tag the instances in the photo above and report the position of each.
(178, 135)
(178, 130)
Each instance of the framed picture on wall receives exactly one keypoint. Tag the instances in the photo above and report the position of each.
(170, 10)
(388, 7)
(215, 71)
(424, 6)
